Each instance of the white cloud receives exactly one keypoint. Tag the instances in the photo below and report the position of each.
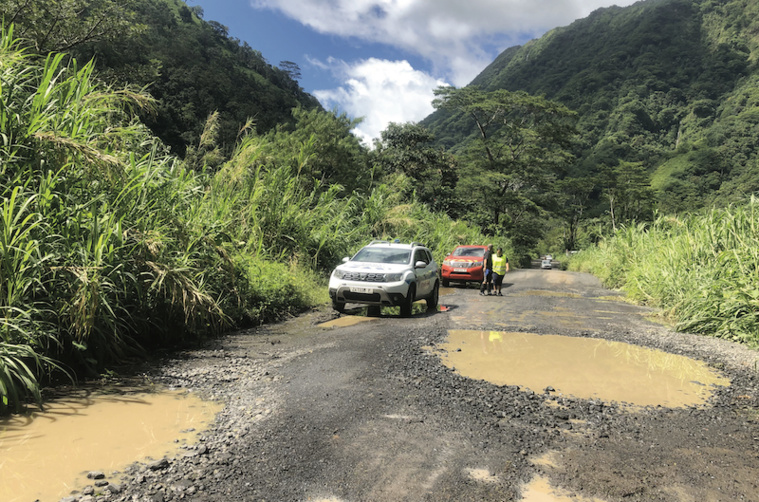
(381, 92)
(449, 33)
(458, 38)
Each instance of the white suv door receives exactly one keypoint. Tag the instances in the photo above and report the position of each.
(425, 276)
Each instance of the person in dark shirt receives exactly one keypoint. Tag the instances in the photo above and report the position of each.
(487, 280)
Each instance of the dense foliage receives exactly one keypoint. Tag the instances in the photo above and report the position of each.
(520, 149)
(701, 269)
(192, 68)
(667, 87)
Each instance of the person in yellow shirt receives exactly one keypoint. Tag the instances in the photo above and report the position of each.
(500, 267)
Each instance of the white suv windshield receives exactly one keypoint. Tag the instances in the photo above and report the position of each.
(382, 255)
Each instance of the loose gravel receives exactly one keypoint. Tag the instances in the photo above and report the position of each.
(300, 423)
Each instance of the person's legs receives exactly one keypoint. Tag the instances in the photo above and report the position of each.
(498, 284)
(485, 282)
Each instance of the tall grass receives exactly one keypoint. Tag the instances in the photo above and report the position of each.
(111, 246)
(702, 269)
(95, 262)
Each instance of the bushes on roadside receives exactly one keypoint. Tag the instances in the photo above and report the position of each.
(702, 269)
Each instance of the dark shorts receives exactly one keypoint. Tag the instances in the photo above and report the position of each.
(497, 279)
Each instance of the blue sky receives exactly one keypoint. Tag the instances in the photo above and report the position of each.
(381, 59)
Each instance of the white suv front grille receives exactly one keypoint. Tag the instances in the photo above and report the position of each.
(364, 276)
(463, 264)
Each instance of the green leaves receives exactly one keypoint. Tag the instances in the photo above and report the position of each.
(60, 25)
(702, 270)
(406, 149)
(520, 147)
(84, 226)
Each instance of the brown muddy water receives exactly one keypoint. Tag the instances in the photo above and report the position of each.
(361, 315)
(581, 367)
(44, 455)
(345, 321)
(539, 490)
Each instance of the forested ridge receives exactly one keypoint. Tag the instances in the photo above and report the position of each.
(192, 67)
(665, 86)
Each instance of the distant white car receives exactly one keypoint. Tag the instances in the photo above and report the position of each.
(386, 274)
(545, 264)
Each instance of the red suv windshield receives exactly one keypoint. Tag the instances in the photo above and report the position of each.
(471, 252)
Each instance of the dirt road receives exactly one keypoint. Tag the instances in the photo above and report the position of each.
(367, 411)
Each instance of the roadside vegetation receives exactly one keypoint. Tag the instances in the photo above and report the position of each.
(112, 246)
(700, 269)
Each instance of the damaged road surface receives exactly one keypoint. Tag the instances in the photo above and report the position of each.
(355, 408)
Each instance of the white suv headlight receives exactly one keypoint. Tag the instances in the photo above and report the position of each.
(339, 274)
(393, 277)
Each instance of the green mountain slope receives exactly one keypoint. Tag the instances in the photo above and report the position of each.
(669, 83)
(191, 66)
(200, 69)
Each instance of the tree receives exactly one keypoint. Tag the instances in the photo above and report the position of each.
(576, 193)
(520, 142)
(322, 148)
(627, 188)
(291, 69)
(61, 25)
(407, 149)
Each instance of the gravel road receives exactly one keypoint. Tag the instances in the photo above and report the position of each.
(367, 412)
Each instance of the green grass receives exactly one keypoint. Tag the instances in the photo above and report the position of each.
(702, 270)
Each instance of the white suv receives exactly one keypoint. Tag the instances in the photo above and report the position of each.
(386, 274)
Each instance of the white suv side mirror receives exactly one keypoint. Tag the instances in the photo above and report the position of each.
(420, 264)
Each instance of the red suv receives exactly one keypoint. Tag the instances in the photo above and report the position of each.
(464, 264)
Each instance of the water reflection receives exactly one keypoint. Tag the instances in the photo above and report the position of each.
(581, 367)
(46, 455)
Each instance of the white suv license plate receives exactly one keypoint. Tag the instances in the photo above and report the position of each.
(362, 290)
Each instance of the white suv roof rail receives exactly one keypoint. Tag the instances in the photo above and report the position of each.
(413, 244)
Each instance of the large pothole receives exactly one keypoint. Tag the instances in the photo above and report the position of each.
(583, 368)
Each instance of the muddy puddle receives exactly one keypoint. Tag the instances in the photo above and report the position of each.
(557, 294)
(45, 455)
(345, 321)
(581, 367)
(359, 315)
(540, 490)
